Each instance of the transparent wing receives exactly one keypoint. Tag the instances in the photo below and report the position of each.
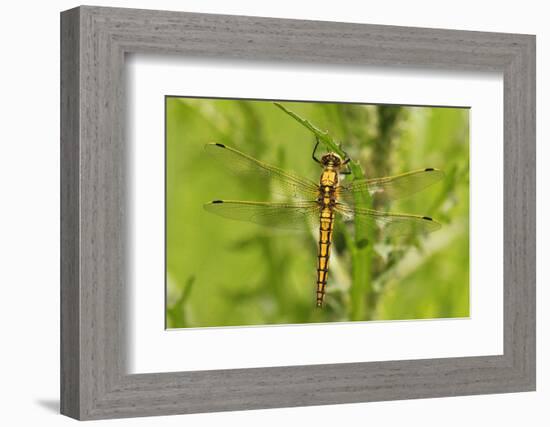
(282, 215)
(282, 182)
(390, 224)
(392, 187)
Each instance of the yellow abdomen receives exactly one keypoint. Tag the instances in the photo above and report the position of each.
(327, 198)
(325, 241)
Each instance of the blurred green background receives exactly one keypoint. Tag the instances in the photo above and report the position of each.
(227, 273)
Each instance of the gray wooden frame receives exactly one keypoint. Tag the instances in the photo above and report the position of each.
(94, 41)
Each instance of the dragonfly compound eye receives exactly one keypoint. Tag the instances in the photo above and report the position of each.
(331, 159)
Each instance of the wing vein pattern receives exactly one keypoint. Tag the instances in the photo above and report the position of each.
(292, 215)
(392, 187)
(281, 182)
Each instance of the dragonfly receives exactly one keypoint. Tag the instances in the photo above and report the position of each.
(320, 202)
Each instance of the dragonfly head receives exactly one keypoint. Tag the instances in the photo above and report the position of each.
(331, 159)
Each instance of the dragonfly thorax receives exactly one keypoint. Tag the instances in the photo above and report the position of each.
(331, 159)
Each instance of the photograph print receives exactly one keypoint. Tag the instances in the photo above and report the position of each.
(295, 212)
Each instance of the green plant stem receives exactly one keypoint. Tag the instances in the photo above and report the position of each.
(361, 251)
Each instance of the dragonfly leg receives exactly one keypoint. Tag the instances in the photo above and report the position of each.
(314, 150)
(345, 162)
(346, 159)
(346, 156)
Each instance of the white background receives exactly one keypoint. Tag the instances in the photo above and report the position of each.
(29, 215)
(152, 349)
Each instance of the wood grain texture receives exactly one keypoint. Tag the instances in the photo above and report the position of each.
(70, 221)
(94, 382)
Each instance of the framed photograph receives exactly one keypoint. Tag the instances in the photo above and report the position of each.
(262, 213)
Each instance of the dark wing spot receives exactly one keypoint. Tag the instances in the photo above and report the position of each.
(220, 145)
(217, 201)
(427, 218)
(429, 169)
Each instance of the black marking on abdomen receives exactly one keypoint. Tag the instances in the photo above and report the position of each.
(325, 240)
(327, 201)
